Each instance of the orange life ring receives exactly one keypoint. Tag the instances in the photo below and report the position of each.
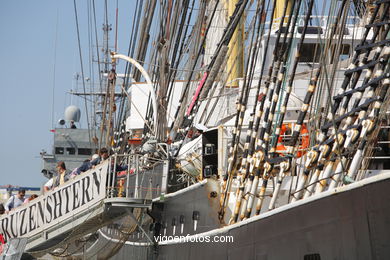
(281, 149)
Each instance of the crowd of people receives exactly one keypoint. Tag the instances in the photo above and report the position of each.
(64, 175)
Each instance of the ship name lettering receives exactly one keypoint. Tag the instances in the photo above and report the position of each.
(4, 227)
(57, 204)
(32, 211)
(23, 224)
(86, 183)
(13, 226)
(96, 182)
(66, 191)
(41, 212)
(76, 187)
(48, 208)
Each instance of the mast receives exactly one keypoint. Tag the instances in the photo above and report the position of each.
(278, 14)
(235, 62)
(105, 101)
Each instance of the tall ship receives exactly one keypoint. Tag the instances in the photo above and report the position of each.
(233, 129)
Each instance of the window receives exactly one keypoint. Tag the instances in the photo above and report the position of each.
(344, 54)
(343, 31)
(311, 30)
(283, 30)
(307, 53)
(311, 52)
(85, 151)
(70, 150)
(312, 257)
(59, 150)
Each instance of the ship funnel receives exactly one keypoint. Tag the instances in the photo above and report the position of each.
(72, 113)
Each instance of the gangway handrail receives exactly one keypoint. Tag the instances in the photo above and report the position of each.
(84, 203)
(57, 207)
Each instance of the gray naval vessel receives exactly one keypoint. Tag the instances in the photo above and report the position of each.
(70, 144)
(274, 146)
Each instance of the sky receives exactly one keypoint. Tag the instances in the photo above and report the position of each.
(38, 54)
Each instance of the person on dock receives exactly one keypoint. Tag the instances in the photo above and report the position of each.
(62, 174)
(103, 155)
(49, 184)
(62, 177)
(33, 196)
(15, 200)
(85, 166)
(72, 125)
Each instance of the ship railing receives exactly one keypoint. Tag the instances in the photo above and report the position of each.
(135, 177)
(317, 20)
(324, 181)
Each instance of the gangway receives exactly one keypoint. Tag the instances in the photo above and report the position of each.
(82, 205)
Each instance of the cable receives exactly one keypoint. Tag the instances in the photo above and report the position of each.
(54, 72)
(82, 68)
